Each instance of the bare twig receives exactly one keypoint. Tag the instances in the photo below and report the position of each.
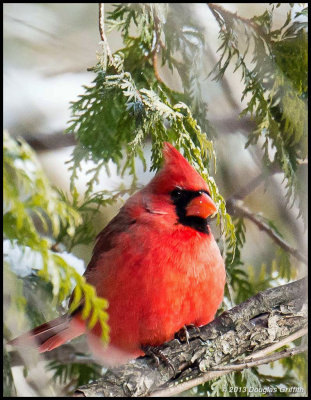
(302, 162)
(157, 46)
(102, 31)
(280, 343)
(103, 37)
(36, 28)
(232, 124)
(239, 210)
(227, 88)
(262, 360)
(252, 185)
(234, 208)
(215, 8)
(155, 67)
(102, 22)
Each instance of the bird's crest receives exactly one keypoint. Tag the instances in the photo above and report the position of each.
(176, 172)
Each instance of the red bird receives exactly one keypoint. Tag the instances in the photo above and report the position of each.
(157, 264)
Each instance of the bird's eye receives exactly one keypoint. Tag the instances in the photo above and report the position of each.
(176, 193)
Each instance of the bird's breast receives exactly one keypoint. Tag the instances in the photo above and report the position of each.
(157, 281)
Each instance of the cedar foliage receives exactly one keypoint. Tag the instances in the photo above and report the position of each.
(127, 105)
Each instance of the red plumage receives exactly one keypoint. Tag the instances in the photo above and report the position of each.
(157, 264)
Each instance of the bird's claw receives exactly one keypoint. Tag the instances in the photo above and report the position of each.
(183, 334)
(158, 355)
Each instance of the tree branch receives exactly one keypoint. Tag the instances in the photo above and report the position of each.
(58, 140)
(241, 211)
(227, 88)
(236, 209)
(266, 319)
(155, 67)
(262, 360)
(280, 343)
(47, 142)
(230, 15)
(224, 371)
(102, 31)
(252, 185)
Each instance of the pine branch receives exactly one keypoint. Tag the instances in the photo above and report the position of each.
(265, 319)
(278, 88)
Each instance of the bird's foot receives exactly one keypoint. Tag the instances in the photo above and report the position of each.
(183, 334)
(158, 355)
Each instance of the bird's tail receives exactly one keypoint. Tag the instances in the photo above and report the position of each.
(51, 334)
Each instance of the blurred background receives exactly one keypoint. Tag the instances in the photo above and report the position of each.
(47, 50)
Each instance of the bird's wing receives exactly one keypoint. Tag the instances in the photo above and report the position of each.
(105, 241)
(137, 209)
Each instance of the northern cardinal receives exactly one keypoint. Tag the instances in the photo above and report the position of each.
(156, 262)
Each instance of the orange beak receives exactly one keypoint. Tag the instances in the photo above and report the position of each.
(201, 206)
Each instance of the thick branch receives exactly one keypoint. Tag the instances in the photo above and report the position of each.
(210, 375)
(261, 321)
